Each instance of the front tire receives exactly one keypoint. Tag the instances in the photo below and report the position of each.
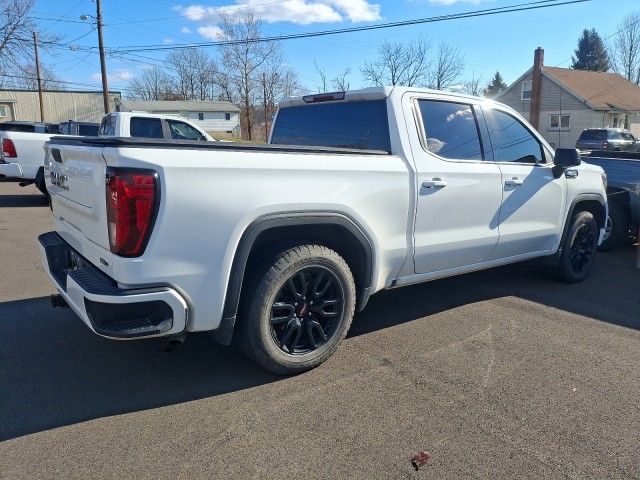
(299, 309)
(578, 248)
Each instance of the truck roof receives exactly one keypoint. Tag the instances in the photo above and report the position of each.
(370, 93)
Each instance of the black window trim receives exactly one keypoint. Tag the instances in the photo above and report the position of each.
(422, 132)
(546, 156)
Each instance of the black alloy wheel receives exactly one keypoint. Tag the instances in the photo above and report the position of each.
(582, 249)
(307, 308)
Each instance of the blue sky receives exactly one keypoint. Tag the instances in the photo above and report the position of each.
(501, 42)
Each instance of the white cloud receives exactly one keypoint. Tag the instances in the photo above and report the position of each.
(301, 12)
(185, 30)
(212, 32)
(167, 40)
(120, 75)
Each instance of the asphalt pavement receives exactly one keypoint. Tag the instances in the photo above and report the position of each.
(505, 373)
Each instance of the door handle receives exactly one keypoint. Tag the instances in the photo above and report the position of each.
(434, 183)
(514, 182)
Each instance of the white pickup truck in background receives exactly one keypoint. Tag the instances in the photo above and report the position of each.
(22, 157)
(275, 246)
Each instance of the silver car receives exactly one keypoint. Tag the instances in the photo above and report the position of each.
(611, 139)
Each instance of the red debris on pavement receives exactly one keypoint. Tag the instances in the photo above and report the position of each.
(420, 459)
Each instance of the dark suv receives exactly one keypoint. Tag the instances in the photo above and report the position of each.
(614, 139)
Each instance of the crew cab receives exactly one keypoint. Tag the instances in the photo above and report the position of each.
(274, 247)
(149, 125)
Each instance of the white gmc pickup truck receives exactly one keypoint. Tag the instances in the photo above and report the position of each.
(275, 246)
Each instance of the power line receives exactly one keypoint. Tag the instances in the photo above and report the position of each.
(471, 14)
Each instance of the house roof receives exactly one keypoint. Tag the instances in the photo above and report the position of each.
(600, 90)
(178, 106)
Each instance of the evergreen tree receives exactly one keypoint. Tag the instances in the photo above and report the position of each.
(591, 53)
(496, 86)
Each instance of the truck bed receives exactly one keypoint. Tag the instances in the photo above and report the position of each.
(130, 142)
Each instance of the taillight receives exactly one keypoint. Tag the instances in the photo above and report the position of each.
(605, 145)
(8, 148)
(132, 200)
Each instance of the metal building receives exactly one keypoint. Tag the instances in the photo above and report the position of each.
(59, 105)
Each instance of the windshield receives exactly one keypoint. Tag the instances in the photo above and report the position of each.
(337, 124)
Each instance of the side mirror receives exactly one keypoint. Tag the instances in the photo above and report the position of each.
(567, 157)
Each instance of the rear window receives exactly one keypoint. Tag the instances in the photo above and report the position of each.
(341, 124)
(17, 127)
(88, 130)
(108, 126)
(146, 127)
(593, 135)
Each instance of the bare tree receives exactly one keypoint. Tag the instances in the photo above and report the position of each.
(341, 81)
(193, 73)
(399, 64)
(153, 84)
(447, 68)
(626, 48)
(244, 58)
(323, 84)
(17, 25)
(474, 86)
(28, 79)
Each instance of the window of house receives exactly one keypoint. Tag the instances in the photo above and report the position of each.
(200, 116)
(615, 121)
(559, 121)
(227, 116)
(451, 130)
(511, 141)
(4, 111)
(626, 122)
(526, 90)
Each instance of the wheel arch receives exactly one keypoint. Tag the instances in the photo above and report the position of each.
(332, 229)
(590, 202)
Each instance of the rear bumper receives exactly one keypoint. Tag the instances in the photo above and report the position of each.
(10, 170)
(108, 310)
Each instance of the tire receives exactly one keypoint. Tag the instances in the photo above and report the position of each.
(280, 328)
(619, 227)
(578, 248)
(40, 183)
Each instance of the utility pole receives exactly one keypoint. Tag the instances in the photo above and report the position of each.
(264, 97)
(103, 65)
(35, 46)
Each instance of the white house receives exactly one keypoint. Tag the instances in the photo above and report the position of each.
(572, 100)
(215, 118)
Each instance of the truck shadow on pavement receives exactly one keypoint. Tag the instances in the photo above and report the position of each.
(14, 201)
(55, 372)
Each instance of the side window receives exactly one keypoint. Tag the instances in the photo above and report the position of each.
(145, 127)
(511, 141)
(183, 131)
(108, 126)
(451, 130)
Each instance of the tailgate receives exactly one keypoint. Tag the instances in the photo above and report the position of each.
(75, 175)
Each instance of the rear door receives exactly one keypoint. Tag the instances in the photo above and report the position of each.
(75, 176)
(458, 194)
(533, 200)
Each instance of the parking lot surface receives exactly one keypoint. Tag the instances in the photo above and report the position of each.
(505, 373)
